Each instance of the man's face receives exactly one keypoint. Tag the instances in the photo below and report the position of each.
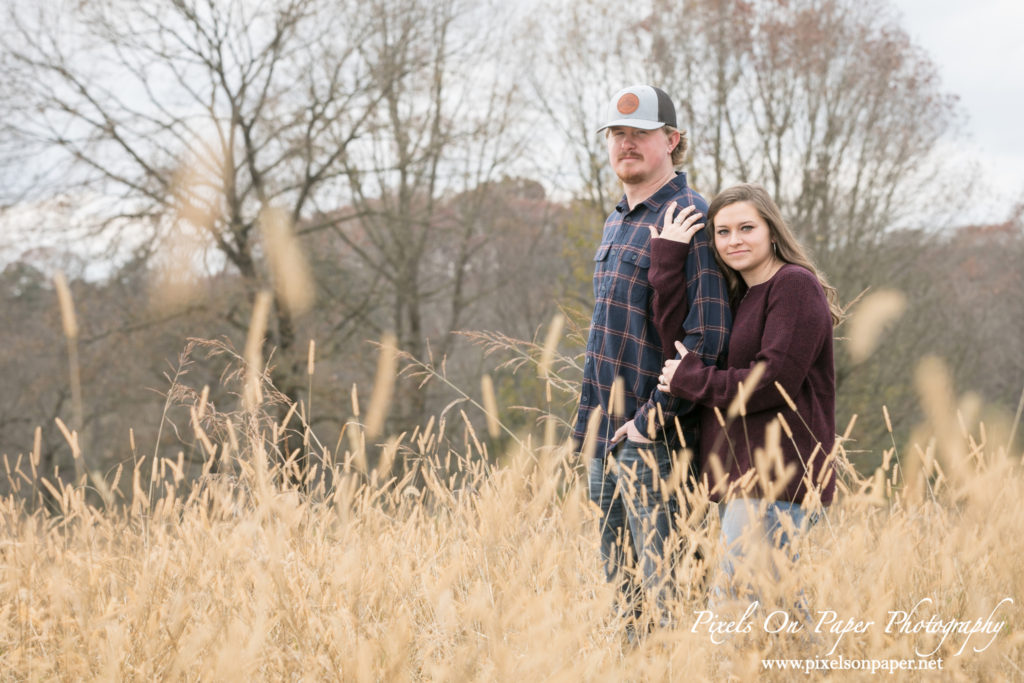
(638, 155)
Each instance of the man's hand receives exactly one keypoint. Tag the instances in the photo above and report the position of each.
(681, 227)
(629, 431)
(669, 371)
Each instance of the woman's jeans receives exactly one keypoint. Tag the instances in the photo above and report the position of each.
(751, 529)
(637, 517)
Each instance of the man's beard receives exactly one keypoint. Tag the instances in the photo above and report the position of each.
(632, 177)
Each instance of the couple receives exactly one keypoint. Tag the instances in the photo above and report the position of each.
(692, 301)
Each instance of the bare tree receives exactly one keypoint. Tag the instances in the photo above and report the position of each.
(581, 56)
(827, 103)
(191, 117)
(362, 121)
(445, 126)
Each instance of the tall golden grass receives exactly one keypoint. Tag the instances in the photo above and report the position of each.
(424, 556)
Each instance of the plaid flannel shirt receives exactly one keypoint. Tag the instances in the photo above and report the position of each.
(623, 339)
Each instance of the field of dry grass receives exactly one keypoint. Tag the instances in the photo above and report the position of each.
(428, 558)
(423, 556)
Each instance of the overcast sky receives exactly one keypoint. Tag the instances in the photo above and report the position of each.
(979, 48)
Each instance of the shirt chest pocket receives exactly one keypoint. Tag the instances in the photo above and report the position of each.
(621, 274)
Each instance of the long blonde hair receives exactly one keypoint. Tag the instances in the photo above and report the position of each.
(787, 246)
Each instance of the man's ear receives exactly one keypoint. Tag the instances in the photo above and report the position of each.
(673, 140)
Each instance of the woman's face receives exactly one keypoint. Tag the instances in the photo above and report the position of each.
(744, 241)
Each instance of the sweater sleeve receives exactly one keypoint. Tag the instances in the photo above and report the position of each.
(797, 323)
(667, 276)
(705, 330)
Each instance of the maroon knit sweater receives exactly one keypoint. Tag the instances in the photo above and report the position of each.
(786, 324)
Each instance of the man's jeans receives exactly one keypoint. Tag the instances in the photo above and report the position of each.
(637, 516)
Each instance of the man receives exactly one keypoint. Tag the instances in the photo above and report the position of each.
(624, 421)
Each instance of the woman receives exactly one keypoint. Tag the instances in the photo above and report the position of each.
(768, 459)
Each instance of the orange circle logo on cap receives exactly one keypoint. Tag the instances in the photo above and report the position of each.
(628, 103)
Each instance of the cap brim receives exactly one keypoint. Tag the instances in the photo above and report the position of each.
(633, 123)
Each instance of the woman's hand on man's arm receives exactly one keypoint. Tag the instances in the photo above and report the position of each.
(669, 370)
